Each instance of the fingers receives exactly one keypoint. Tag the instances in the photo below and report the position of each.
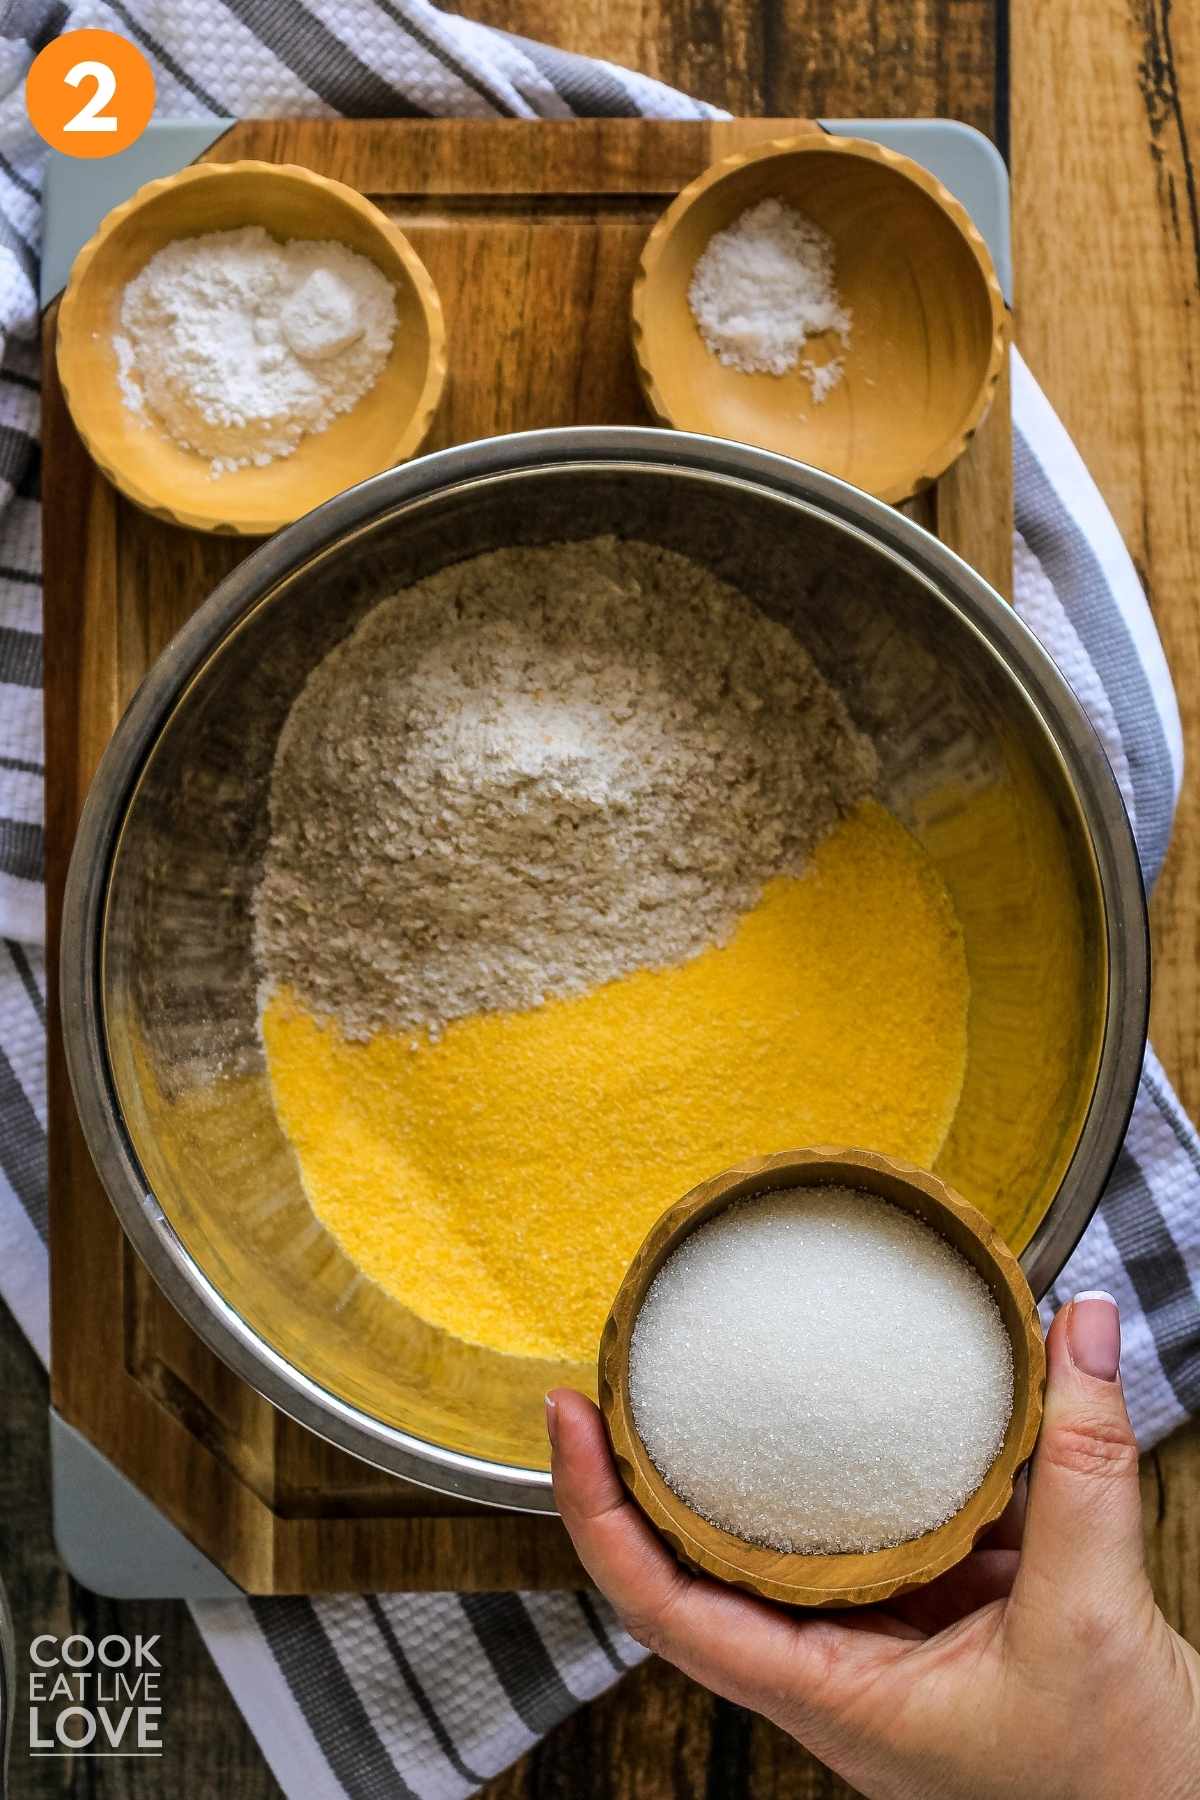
(615, 1544)
(1082, 1539)
(741, 1647)
(674, 1613)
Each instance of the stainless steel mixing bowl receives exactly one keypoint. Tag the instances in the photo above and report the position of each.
(987, 757)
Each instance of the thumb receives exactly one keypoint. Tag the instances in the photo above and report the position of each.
(1083, 1535)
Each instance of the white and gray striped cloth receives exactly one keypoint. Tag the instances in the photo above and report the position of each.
(428, 1695)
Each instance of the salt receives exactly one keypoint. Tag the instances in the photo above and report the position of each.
(817, 1371)
(763, 287)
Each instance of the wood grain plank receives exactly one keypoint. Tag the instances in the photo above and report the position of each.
(1107, 252)
(867, 58)
(1170, 1507)
(827, 58)
(80, 631)
(1106, 181)
(563, 159)
(973, 500)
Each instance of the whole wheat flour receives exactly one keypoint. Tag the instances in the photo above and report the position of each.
(535, 771)
(236, 345)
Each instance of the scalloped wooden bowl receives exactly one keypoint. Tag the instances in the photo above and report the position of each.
(853, 1579)
(387, 425)
(930, 325)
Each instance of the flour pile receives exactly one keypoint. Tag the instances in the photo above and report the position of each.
(536, 771)
(236, 345)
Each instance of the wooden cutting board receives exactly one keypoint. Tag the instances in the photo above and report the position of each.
(531, 232)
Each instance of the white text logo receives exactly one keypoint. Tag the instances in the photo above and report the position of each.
(94, 1699)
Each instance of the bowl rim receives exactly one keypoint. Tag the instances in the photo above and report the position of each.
(849, 1578)
(368, 506)
(817, 139)
(72, 355)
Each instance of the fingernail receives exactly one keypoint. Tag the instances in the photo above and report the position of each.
(1094, 1334)
(552, 1421)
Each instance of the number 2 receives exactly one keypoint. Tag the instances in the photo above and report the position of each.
(91, 116)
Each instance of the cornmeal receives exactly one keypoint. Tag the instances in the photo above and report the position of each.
(499, 1180)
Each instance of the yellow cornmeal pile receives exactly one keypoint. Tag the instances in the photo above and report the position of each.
(498, 1181)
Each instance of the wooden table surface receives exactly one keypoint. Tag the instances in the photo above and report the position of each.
(1107, 216)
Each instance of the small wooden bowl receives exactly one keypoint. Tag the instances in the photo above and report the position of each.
(852, 1579)
(930, 326)
(387, 425)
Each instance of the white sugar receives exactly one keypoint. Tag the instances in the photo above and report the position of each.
(815, 1370)
(763, 287)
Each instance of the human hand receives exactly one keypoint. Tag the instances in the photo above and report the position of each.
(1047, 1669)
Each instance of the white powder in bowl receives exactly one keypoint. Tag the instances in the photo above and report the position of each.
(236, 345)
(817, 1371)
(763, 287)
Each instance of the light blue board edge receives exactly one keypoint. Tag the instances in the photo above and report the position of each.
(112, 1539)
(963, 160)
(78, 192)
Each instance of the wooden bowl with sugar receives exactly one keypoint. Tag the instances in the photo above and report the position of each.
(849, 1578)
(929, 326)
(385, 426)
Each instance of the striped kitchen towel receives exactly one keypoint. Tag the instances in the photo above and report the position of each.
(428, 1695)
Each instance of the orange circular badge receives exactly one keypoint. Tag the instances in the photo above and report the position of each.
(89, 93)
